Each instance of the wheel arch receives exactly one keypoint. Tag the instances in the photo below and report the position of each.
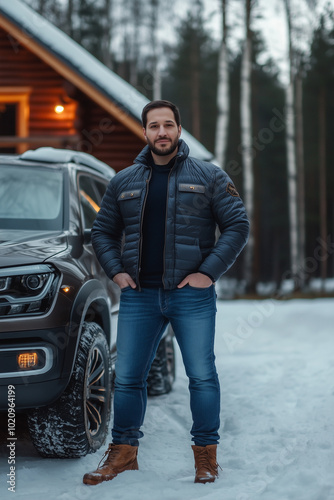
(92, 304)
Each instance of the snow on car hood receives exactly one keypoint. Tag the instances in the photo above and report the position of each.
(19, 247)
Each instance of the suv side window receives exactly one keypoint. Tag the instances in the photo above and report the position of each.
(91, 193)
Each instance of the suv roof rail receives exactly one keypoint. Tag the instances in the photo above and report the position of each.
(54, 155)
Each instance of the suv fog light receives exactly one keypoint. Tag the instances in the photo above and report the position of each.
(16, 309)
(27, 360)
(34, 306)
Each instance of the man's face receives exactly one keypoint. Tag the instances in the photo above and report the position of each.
(161, 132)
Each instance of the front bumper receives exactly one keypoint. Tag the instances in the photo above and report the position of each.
(42, 385)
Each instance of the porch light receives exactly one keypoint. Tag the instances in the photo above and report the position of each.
(59, 108)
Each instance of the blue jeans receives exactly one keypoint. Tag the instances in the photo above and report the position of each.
(143, 318)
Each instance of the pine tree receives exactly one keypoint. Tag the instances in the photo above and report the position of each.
(191, 77)
(223, 100)
(319, 148)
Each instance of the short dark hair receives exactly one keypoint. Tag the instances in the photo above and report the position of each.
(160, 104)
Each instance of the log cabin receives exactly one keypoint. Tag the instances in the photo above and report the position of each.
(55, 93)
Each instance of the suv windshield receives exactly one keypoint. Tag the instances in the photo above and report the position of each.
(31, 198)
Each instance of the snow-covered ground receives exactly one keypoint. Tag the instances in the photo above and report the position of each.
(276, 368)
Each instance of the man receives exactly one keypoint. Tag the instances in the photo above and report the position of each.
(155, 237)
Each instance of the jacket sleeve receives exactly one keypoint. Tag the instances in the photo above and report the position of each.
(107, 233)
(230, 215)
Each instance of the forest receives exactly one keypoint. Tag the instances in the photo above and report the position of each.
(268, 120)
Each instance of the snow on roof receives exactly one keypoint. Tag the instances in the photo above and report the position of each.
(87, 66)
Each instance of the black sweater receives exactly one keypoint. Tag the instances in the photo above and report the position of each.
(152, 260)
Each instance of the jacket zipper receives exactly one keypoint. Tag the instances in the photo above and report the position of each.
(141, 228)
(163, 274)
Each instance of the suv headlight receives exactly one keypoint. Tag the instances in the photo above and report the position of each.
(27, 290)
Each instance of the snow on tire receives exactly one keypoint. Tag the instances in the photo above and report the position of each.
(77, 423)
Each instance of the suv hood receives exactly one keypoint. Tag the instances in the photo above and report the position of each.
(19, 247)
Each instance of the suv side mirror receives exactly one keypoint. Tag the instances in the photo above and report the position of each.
(87, 236)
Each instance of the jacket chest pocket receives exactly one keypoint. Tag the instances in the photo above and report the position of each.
(192, 188)
(193, 203)
(129, 202)
(192, 197)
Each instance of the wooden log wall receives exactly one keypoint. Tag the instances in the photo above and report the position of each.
(108, 139)
(21, 68)
(83, 125)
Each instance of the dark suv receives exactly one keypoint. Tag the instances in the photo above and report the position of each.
(58, 309)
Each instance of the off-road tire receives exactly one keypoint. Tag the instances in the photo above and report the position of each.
(77, 423)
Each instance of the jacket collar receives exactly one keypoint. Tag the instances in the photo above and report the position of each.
(144, 157)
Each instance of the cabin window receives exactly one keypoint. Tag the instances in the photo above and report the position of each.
(14, 112)
(8, 113)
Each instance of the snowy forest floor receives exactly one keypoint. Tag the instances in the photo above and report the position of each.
(276, 368)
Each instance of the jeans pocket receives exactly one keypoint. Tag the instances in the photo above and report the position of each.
(125, 288)
(199, 288)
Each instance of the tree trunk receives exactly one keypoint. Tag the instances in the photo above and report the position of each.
(256, 265)
(69, 19)
(107, 34)
(301, 174)
(292, 179)
(195, 90)
(246, 141)
(156, 82)
(322, 181)
(41, 7)
(155, 70)
(223, 100)
(291, 157)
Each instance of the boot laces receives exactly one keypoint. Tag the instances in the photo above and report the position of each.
(207, 463)
(109, 455)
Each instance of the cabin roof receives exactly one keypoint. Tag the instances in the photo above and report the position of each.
(81, 68)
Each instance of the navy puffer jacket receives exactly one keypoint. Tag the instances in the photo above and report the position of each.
(200, 197)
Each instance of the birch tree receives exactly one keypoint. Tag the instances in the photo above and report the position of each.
(246, 140)
(195, 56)
(290, 147)
(294, 144)
(223, 100)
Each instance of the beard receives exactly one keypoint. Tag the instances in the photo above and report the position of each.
(163, 151)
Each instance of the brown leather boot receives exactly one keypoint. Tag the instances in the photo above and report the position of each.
(120, 457)
(205, 463)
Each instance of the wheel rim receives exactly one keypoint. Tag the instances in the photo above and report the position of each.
(96, 396)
